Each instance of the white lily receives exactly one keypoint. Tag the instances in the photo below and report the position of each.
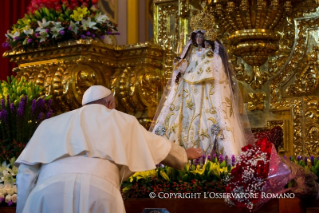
(88, 24)
(56, 31)
(16, 34)
(43, 35)
(101, 18)
(42, 25)
(28, 30)
(57, 24)
(74, 26)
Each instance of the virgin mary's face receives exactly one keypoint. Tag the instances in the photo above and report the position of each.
(199, 38)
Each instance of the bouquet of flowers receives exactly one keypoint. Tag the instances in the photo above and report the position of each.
(22, 110)
(259, 171)
(51, 21)
(211, 176)
(8, 189)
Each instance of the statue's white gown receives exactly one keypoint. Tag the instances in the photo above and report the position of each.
(202, 98)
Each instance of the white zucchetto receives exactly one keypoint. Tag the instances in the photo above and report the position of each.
(94, 93)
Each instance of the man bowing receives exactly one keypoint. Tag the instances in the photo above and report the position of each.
(75, 162)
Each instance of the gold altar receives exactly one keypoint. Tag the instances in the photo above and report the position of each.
(273, 45)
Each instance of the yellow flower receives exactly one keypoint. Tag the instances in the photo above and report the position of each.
(143, 175)
(14, 30)
(79, 13)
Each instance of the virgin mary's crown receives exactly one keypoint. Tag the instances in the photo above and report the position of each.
(204, 21)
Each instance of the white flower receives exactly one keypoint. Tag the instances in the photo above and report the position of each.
(16, 34)
(101, 18)
(55, 31)
(43, 35)
(88, 24)
(57, 24)
(42, 25)
(28, 30)
(73, 26)
(14, 189)
(8, 198)
(14, 171)
(3, 191)
(14, 198)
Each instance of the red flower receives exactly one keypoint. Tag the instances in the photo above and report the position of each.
(245, 148)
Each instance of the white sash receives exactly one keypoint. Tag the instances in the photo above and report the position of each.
(83, 165)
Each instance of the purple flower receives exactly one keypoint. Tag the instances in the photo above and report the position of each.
(4, 45)
(16, 38)
(1, 199)
(221, 158)
(93, 35)
(88, 33)
(49, 114)
(117, 33)
(233, 160)
(40, 103)
(82, 36)
(12, 107)
(3, 115)
(70, 28)
(208, 157)
(306, 159)
(102, 37)
(285, 157)
(62, 32)
(299, 158)
(29, 40)
(109, 33)
(214, 156)
(34, 105)
(10, 203)
(40, 117)
(37, 34)
(290, 158)
(20, 110)
(47, 30)
(312, 159)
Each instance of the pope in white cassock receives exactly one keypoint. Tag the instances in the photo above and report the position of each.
(75, 162)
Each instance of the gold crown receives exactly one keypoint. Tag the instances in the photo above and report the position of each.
(203, 20)
(211, 35)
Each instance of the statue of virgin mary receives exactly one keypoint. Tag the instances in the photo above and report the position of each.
(199, 107)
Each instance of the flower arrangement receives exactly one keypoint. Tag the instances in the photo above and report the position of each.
(212, 176)
(51, 21)
(8, 189)
(259, 169)
(22, 110)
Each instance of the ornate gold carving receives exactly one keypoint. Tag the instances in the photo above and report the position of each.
(133, 72)
(307, 81)
(253, 27)
(257, 101)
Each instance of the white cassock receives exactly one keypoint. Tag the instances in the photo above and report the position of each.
(76, 161)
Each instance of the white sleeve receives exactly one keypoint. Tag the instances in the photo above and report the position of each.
(26, 181)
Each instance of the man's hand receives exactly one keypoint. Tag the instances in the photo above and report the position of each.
(193, 153)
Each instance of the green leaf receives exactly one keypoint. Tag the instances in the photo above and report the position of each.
(223, 164)
(185, 178)
(38, 15)
(46, 11)
(48, 97)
